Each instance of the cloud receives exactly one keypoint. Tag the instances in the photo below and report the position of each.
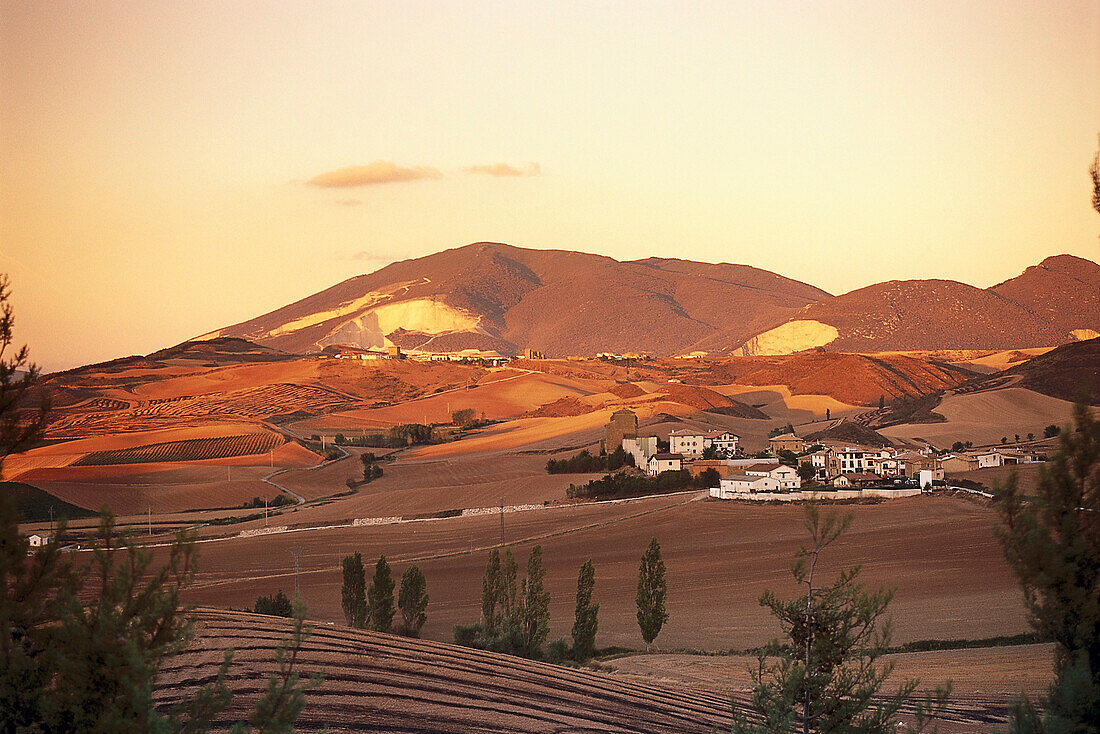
(379, 172)
(503, 169)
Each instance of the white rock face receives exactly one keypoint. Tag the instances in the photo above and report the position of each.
(1082, 335)
(793, 336)
(425, 315)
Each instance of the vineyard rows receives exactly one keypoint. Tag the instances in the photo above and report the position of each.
(190, 450)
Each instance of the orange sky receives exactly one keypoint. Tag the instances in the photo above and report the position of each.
(170, 168)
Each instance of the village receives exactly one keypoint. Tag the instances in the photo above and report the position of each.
(793, 469)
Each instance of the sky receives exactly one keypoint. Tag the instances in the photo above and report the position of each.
(172, 168)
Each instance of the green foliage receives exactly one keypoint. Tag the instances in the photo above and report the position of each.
(413, 601)
(780, 430)
(18, 428)
(710, 453)
(584, 462)
(585, 619)
(652, 592)
(958, 446)
(275, 606)
(34, 505)
(788, 457)
(534, 606)
(825, 676)
(411, 434)
(1051, 431)
(285, 697)
(380, 609)
(81, 643)
(618, 485)
(806, 471)
(490, 597)
(557, 652)
(353, 594)
(1052, 542)
(464, 417)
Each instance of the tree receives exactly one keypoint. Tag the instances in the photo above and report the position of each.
(1004, 439)
(1017, 438)
(824, 677)
(1030, 436)
(710, 453)
(1094, 173)
(828, 414)
(788, 457)
(275, 606)
(20, 424)
(1052, 542)
(881, 402)
(380, 609)
(958, 446)
(353, 595)
(652, 591)
(413, 601)
(534, 612)
(1051, 431)
(81, 643)
(462, 417)
(806, 471)
(506, 591)
(490, 595)
(585, 621)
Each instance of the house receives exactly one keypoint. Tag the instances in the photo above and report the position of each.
(954, 463)
(742, 484)
(819, 460)
(724, 442)
(1005, 457)
(846, 459)
(623, 424)
(857, 480)
(687, 442)
(786, 476)
(37, 541)
(786, 442)
(641, 448)
(722, 466)
(990, 458)
(693, 443)
(913, 463)
(664, 462)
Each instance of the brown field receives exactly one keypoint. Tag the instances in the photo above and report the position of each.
(1026, 474)
(938, 552)
(386, 683)
(985, 417)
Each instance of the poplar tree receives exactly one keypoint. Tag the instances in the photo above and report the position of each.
(413, 601)
(490, 591)
(652, 591)
(534, 611)
(353, 596)
(585, 620)
(1051, 540)
(380, 609)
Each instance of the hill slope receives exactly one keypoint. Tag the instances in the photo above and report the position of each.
(376, 682)
(504, 298)
(1051, 303)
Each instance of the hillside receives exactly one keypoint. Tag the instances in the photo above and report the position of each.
(855, 379)
(497, 297)
(376, 682)
(1051, 303)
(1064, 372)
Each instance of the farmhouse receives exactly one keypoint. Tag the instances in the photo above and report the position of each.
(37, 541)
(664, 462)
(743, 484)
(913, 463)
(786, 442)
(693, 443)
(786, 476)
(722, 466)
(959, 463)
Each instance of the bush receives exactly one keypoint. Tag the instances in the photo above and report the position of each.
(585, 462)
(558, 651)
(274, 606)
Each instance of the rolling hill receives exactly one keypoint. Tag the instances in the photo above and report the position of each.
(1052, 303)
(492, 296)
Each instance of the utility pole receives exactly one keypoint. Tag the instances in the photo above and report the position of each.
(297, 553)
(265, 511)
(501, 522)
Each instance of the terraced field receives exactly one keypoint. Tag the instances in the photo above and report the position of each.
(192, 450)
(376, 682)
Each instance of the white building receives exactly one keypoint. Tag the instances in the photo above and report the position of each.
(664, 462)
(736, 485)
(786, 476)
(692, 443)
(642, 448)
(37, 541)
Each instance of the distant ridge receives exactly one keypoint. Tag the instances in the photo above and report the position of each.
(496, 297)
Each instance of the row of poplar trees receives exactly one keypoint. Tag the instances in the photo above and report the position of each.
(373, 608)
(516, 619)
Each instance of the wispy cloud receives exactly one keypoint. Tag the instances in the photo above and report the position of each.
(504, 169)
(379, 172)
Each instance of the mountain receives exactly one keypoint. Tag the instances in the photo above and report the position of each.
(492, 296)
(1052, 303)
(1068, 372)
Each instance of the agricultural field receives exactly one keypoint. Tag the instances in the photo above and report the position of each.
(195, 449)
